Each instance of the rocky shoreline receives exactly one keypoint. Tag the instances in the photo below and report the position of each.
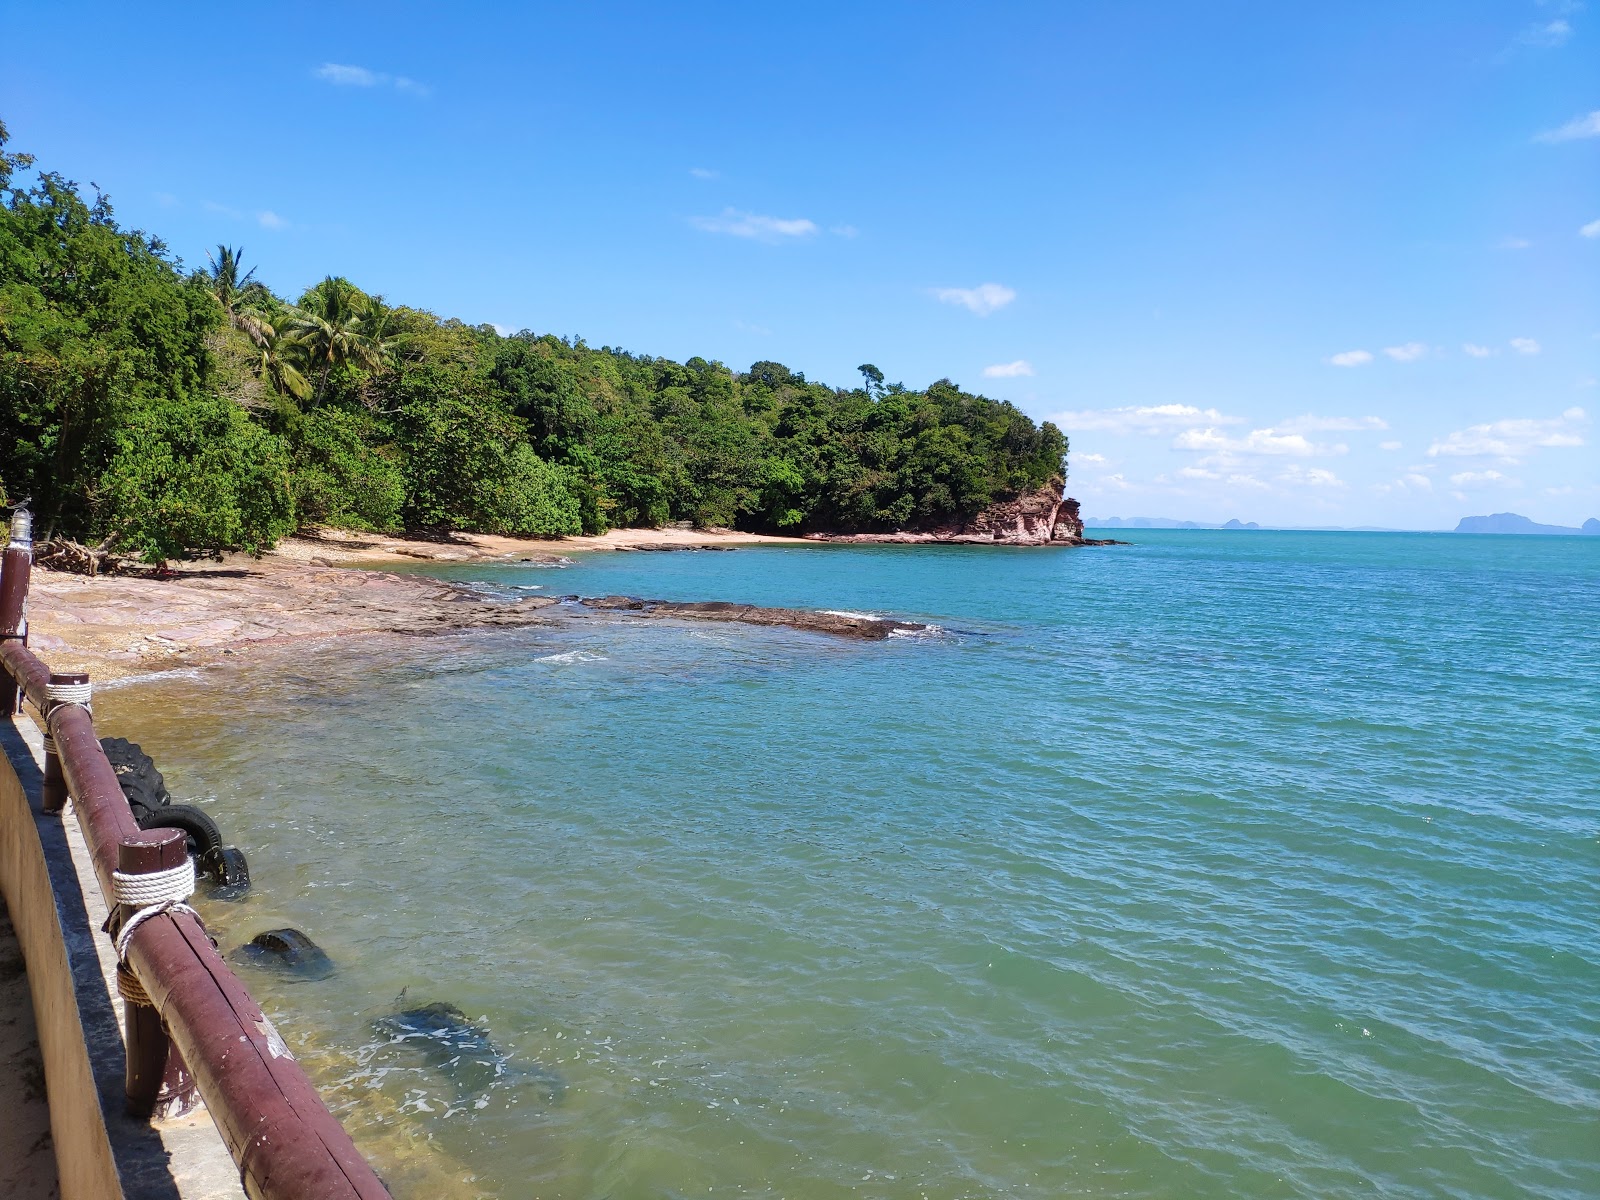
(116, 626)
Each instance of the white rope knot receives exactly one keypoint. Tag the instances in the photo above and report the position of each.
(154, 887)
(143, 915)
(69, 693)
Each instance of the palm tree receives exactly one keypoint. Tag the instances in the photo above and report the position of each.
(338, 325)
(243, 301)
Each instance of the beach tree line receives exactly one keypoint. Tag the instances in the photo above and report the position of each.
(150, 409)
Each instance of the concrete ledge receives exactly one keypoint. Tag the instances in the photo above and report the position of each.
(56, 909)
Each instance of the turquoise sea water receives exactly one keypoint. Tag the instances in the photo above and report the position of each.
(1220, 865)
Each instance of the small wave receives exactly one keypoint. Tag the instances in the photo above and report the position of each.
(148, 677)
(573, 656)
(929, 631)
(527, 587)
(859, 616)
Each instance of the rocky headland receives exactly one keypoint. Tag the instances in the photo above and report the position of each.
(1043, 517)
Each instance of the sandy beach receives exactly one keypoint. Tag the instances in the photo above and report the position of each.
(116, 626)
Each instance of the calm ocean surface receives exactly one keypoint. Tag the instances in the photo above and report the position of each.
(1222, 865)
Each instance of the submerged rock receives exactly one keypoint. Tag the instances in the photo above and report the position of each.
(460, 1049)
(285, 950)
(838, 624)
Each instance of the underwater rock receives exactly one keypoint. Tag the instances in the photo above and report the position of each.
(449, 1042)
(286, 950)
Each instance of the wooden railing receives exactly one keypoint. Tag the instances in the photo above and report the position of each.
(191, 1026)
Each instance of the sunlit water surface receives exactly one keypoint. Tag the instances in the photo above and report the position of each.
(1221, 865)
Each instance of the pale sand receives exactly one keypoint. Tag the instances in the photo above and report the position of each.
(117, 626)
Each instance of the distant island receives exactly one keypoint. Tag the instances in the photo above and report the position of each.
(1515, 523)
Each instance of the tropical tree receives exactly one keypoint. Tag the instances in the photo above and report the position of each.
(337, 326)
(247, 304)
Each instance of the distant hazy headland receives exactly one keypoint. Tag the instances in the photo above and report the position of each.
(1513, 523)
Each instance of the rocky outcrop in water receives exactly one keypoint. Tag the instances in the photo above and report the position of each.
(1038, 518)
(838, 624)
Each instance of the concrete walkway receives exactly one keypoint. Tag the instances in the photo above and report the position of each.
(27, 1156)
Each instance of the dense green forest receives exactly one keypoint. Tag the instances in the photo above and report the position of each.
(152, 410)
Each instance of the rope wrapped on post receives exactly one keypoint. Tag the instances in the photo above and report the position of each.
(61, 691)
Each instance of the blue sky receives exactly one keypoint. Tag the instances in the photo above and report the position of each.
(1299, 264)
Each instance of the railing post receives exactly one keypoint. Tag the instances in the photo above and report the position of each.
(53, 794)
(15, 569)
(158, 1082)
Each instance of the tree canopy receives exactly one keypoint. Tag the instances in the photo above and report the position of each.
(159, 411)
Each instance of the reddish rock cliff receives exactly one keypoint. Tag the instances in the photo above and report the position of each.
(1034, 518)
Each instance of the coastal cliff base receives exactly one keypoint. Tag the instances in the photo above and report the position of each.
(1042, 517)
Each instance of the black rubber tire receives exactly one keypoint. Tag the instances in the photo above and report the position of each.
(135, 769)
(204, 836)
(228, 872)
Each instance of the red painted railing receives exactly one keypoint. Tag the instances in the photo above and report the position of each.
(191, 1025)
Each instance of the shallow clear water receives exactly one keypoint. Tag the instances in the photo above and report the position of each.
(1221, 865)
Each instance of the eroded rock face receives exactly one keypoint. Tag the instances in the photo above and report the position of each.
(1035, 518)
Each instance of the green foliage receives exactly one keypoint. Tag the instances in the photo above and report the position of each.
(197, 475)
(194, 413)
(344, 474)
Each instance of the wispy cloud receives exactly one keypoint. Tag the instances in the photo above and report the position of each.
(265, 218)
(1097, 459)
(983, 299)
(1586, 126)
(1295, 475)
(1313, 424)
(705, 173)
(1514, 243)
(1256, 442)
(1411, 482)
(348, 75)
(1351, 358)
(1149, 419)
(1546, 35)
(1482, 479)
(1525, 345)
(1409, 352)
(1472, 350)
(1591, 230)
(844, 231)
(268, 219)
(756, 227)
(1010, 370)
(1513, 439)
(1390, 445)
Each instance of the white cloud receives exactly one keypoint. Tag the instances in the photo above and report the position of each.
(1591, 230)
(1312, 424)
(1475, 351)
(1525, 345)
(1409, 352)
(1586, 126)
(1118, 482)
(1318, 477)
(271, 220)
(1407, 483)
(1010, 370)
(1513, 439)
(1090, 458)
(1547, 36)
(346, 75)
(502, 330)
(983, 299)
(1149, 419)
(754, 226)
(844, 231)
(1389, 445)
(704, 173)
(1351, 358)
(1482, 479)
(1257, 441)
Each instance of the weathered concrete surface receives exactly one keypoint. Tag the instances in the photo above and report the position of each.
(50, 891)
(27, 1155)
